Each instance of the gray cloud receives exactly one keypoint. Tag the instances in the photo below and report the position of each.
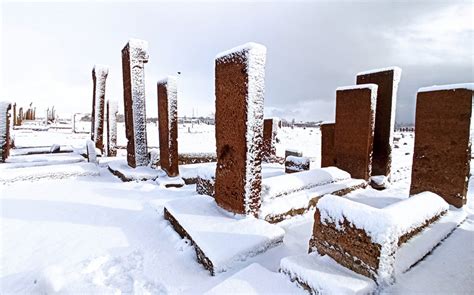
(48, 49)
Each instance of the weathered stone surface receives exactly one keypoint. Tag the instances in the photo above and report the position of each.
(441, 158)
(270, 132)
(99, 76)
(295, 153)
(168, 125)
(328, 152)
(5, 140)
(296, 164)
(112, 112)
(134, 56)
(387, 81)
(354, 129)
(239, 122)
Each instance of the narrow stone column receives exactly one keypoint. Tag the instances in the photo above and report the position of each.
(15, 119)
(5, 141)
(239, 127)
(270, 132)
(168, 125)
(354, 131)
(328, 153)
(112, 112)
(442, 153)
(99, 76)
(134, 57)
(387, 80)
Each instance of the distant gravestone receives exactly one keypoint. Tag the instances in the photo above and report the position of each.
(134, 57)
(239, 120)
(270, 132)
(99, 76)
(442, 153)
(168, 125)
(5, 140)
(387, 81)
(328, 155)
(354, 130)
(112, 112)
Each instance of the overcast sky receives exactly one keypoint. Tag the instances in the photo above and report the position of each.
(48, 49)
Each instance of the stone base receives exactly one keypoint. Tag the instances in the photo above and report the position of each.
(220, 239)
(126, 173)
(322, 275)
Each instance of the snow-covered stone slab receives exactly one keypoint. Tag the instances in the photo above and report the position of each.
(99, 77)
(297, 203)
(256, 279)
(467, 86)
(42, 160)
(322, 275)
(48, 172)
(112, 112)
(166, 181)
(121, 169)
(39, 150)
(220, 239)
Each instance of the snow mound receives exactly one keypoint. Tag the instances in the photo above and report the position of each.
(127, 173)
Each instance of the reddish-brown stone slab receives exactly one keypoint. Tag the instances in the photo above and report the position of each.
(270, 131)
(112, 112)
(328, 153)
(99, 76)
(442, 151)
(168, 125)
(5, 139)
(354, 129)
(387, 81)
(134, 56)
(239, 122)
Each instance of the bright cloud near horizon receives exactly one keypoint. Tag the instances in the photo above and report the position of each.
(48, 49)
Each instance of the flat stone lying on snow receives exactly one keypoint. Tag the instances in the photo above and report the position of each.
(121, 169)
(48, 172)
(322, 275)
(34, 160)
(220, 239)
(256, 279)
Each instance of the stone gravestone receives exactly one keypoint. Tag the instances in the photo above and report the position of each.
(328, 155)
(112, 112)
(5, 140)
(270, 132)
(442, 151)
(168, 125)
(134, 57)
(354, 130)
(387, 81)
(99, 76)
(239, 75)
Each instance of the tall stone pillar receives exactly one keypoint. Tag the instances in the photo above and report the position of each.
(99, 76)
(5, 141)
(168, 125)
(442, 151)
(270, 132)
(328, 153)
(134, 57)
(239, 122)
(15, 123)
(387, 81)
(354, 131)
(112, 112)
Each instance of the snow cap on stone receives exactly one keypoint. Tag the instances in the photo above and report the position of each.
(467, 86)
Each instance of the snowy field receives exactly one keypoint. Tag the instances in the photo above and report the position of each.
(97, 234)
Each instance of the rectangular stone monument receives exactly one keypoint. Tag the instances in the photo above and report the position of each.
(239, 120)
(99, 76)
(387, 80)
(441, 158)
(354, 130)
(134, 56)
(15, 122)
(5, 141)
(168, 125)
(112, 112)
(328, 153)
(270, 131)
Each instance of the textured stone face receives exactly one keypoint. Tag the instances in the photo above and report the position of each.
(168, 126)
(112, 111)
(5, 140)
(99, 76)
(328, 154)
(354, 131)
(239, 122)
(134, 56)
(387, 81)
(442, 152)
(270, 127)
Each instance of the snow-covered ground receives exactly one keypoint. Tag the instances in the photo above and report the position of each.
(97, 234)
